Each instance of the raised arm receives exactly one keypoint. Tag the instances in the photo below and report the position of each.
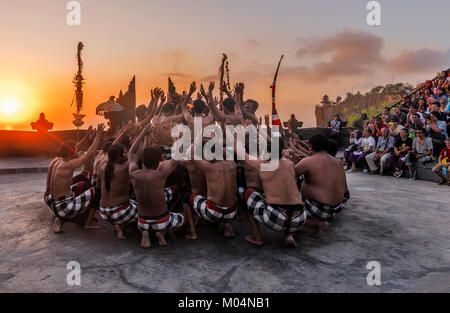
(75, 163)
(217, 114)
(133, 156)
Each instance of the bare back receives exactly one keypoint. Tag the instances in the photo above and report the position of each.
(221, 183)
(279, 185)
(325, 179)
(119, 187)
(61, 179)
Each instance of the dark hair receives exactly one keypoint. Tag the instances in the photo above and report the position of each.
(395, 119)
(229, 103)
(435, 114)
(151, 157)
(421, 130)
(332, 148)
(416, 114)
(438, 104)
(114, 153)
(198, 106)
(107, 145)
(254, 103)
(168, 107)
(318, 143)
(141, 110)
(66, 149)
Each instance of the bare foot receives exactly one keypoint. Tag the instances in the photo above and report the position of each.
(253, 240)
(228, 233)
(120, 234)
(320, 229)
(161, 239)
(145, 241)
(58, 226)
(191, 236)
(289, 241)
(92, 225)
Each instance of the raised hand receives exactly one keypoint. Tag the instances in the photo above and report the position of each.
(202, 91)
(211, 87)
(192, 88)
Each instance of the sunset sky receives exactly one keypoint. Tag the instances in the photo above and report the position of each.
(328, 47)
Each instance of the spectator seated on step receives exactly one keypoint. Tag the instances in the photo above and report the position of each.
(355, 144)
(377, 127)
(385, 146)
(414, 126)
(436, 130)
(398, 157)
(358, 157)
(412, 112)
(422, 150)
(400, 115)
(336, 126)
(395, 127)
(443, 167)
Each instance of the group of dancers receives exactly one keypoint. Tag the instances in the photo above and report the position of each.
(131, 179)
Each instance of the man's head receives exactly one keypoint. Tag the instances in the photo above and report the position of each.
(436, 107)
(151, 157)
(199, 106)
(168, 108)
(434, 116)
(378, 121)
(386, 110)
(107, 145)
(385, 132)
(318, 143)
(293, 116)
(228, 105)
(140, 112)
(42, 116)
(395, 120)
(116, 154)
(251, 105)
(396, 110)
(366, 133)
(421, 133)
(403, 133)
(66, 150)
(416, 118)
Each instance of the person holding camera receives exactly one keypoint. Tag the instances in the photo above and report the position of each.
(443, 166)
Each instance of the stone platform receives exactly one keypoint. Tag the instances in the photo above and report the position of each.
(401, 224)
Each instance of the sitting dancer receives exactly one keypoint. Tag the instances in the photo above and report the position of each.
(280, 207)
(70, 202)
(116, 206)
(151, 195)
(324, 188)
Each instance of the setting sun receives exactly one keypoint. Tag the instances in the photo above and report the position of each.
(9, 107)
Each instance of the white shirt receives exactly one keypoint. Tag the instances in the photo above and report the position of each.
(368, 142)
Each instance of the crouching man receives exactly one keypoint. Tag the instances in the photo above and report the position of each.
(72, 202)
(151, 195)
(116, 206)
(280, 208)
(324, 189)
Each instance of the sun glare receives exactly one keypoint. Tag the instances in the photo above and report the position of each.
(17, 103)
(9, 107)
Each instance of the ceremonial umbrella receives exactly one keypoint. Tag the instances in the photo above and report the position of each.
(109, 106)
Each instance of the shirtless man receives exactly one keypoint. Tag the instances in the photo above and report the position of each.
(282, 208)
(232, 114)
(151, 195)
(198, 109)
(66, 204)
(219, 205)
(116, 206)
(324, 188)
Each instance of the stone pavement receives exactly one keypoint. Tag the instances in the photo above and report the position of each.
(24, 165)
(401, 224)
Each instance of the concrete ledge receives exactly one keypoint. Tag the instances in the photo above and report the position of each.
(23, 170)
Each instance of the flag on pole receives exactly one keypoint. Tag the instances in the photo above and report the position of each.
(275, 118)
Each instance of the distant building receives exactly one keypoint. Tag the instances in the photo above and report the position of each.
(42, 125)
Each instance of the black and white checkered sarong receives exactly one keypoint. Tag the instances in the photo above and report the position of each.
(124, 213)
(70, 206)
(274, 216)
(211, 211)
(167, 222)
(322, 211)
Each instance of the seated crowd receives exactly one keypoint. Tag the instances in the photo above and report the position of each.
(415, 131)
